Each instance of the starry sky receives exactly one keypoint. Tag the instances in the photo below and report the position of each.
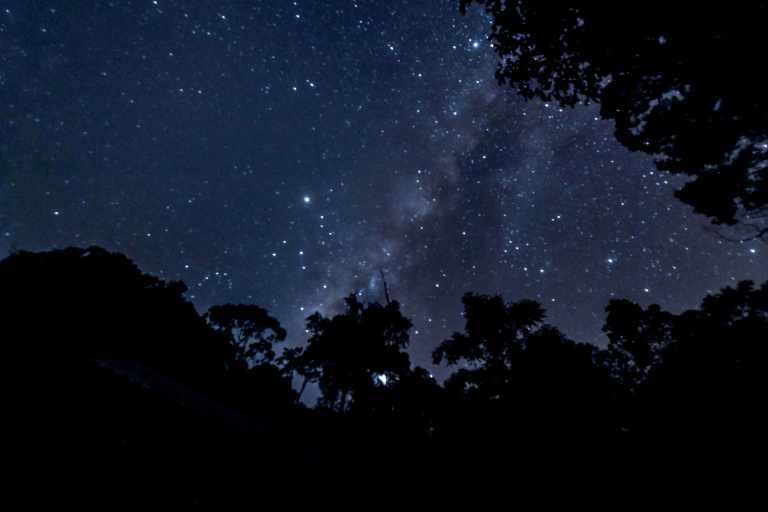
(284, 153)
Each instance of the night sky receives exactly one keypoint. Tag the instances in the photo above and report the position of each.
(282, 153)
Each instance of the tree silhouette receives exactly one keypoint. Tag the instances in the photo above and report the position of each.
(293, 360)
(705, 403)
(417, 400)
(524, 397)
(637, 340)
(557, 370)
(519, 361)
(721, 350)
(680, 80)
(524, 392)
(358, 350)
(250, 331)
(494, 337)
(90, 302)
(265, 388)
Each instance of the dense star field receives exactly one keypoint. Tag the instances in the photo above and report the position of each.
(285, 153)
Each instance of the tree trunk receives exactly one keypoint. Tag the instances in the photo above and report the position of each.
(343, 399)
(306, 379)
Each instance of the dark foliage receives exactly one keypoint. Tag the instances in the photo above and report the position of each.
(670, 416)
(294, 361)
(637, 339)
(90, 302)
(681, 79)
(511, 354)
(357, 351)
(495, 336)
(702, 408)
(251, 333)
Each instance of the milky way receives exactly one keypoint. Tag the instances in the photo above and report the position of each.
(284, 154)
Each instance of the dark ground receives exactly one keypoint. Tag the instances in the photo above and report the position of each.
(97, 441)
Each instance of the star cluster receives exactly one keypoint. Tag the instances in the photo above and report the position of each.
(284, 153)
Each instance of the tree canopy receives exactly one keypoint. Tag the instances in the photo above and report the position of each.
(494, 337)
(250, 330)
(688, 392)
(294, 360)
(511, 354)
(357, 350)
(637, 338)
(91, 302)
(681, 79)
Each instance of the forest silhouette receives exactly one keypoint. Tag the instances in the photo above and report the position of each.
(670, 414)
